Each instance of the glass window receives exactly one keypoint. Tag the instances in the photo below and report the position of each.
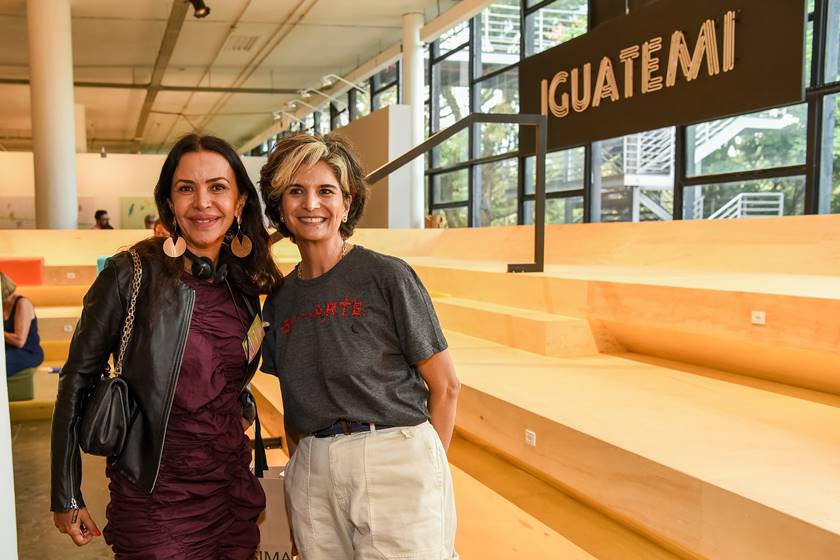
(308, 123)
(385, 97)
(747, 199)
(457, 217)
(426, 84)
(554, 24)
(634, 177)
(809, 51)
(498, 36)
(557, 210)
(385, 77)
(832, 42)
(499, 94)
(452, 151)
(324, 122)
(452, 78)
(342, 119)
(496, 188)
(454, 38)
(362, 103)
(829, 196)
(563, 171)
(772, 138)
(450, 187)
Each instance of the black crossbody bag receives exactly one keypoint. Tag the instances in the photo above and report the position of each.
(108, 409)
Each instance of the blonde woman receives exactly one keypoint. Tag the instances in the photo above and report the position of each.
(20, 330)
(369, 388)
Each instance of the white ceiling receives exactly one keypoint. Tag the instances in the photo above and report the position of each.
(278, 44)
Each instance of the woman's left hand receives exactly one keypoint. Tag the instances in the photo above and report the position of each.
(245, 424)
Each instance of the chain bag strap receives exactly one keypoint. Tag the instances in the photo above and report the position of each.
(109, 410)
(128, 325)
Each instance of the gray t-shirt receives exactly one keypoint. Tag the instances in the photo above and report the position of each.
(344, 344)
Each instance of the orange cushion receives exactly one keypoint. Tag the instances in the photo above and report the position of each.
(28, 271)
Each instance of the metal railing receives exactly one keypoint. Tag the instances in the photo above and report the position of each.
(539, 122)
(751, 205)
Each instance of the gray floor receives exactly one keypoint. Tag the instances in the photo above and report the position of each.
(37, 536)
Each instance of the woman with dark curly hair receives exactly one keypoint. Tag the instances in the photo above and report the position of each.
(369, 389)
(181, 486)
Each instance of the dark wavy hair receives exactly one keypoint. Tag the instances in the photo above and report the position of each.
(255, 274)
(301, 151)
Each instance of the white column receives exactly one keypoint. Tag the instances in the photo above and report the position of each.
(81, 128)
(8, 529)
(412, 81)
(53, 116)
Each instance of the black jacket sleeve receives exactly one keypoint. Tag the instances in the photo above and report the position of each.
(96, 336)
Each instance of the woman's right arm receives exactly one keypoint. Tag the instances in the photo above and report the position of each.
(96, 335)
(23, 321)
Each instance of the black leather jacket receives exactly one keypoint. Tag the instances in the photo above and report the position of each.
(151, 367)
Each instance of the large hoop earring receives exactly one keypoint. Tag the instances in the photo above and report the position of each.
(174, 246)
(241, 244)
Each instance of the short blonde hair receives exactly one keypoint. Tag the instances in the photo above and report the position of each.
(302, 151)
(8, 285)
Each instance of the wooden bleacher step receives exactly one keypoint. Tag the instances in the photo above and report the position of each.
(69, 275)
(57, 322)
(580, 525)
(703, 461)
(534, 331)
(55, 296)
(511, 523)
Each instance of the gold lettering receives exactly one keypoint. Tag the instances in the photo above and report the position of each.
(627, 56)
(679, 57)
(650, 64)
(605, 85)
(580, 103)
(729, 41)
(561, 110)
(544, 97)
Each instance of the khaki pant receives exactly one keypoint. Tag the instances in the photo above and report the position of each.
(372, 495)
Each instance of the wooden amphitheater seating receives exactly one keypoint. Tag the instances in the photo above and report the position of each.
(654, 397)
(502, 511)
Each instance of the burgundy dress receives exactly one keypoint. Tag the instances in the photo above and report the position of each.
(206, 501)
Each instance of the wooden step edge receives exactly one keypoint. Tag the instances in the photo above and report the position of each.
(588, 528)
(29, 411)
(705, 520)
(501, 309)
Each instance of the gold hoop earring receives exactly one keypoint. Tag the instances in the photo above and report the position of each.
(174, 246)
(241, 244)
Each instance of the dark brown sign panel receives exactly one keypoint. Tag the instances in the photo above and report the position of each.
(674, 62)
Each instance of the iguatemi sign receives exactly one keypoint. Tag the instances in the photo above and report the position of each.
(674, 62)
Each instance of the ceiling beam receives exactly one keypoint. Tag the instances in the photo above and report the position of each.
(201, 89)
(460, 12)
(295, 17)
(170, 38)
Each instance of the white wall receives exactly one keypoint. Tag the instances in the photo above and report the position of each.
(103, 179)
(379, 138)
(8, 528)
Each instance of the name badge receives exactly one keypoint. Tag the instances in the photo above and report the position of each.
(252, 342)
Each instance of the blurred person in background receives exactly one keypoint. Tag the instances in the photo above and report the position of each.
(20, 330)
